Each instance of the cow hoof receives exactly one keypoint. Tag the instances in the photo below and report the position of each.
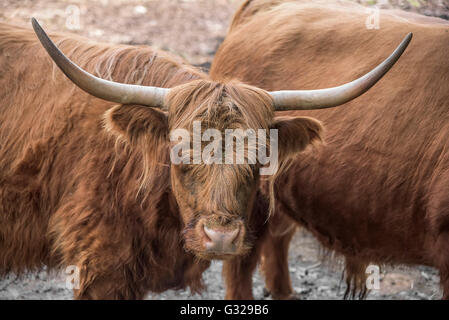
(292, 296)
(266, 293)
(289, 296)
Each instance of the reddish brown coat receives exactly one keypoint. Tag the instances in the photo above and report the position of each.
(378, 191)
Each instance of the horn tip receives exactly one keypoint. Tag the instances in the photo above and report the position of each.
(408, 39)
(409, 36)
(35, 24)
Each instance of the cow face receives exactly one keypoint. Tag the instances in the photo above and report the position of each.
(214, 184)
(212, 178)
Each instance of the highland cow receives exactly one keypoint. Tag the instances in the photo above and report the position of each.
(378, 191)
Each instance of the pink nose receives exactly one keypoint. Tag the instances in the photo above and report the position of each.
(221, 241)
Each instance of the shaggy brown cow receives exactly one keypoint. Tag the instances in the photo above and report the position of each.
(378, 191)
(88, 182)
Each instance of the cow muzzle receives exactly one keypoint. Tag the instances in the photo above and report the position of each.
(221, 239)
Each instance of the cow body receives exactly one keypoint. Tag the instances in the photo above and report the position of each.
(378, 191)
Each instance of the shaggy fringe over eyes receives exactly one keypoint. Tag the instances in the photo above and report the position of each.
(232, 105)
(240, 105)
(229, 105)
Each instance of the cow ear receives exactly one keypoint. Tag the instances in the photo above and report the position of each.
(134, 122)
(295, 134)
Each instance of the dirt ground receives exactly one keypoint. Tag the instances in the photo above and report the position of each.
(311, 280)
(194, 29)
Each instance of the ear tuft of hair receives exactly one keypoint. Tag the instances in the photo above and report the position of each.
(295, 134)
(146, 130)
(131, 122)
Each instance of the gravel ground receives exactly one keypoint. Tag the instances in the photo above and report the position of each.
(311, 280)
(171, 25)
(175, 25)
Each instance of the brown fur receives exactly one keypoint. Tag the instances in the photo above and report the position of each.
(66, 184)
(89, 183)
(377, 192)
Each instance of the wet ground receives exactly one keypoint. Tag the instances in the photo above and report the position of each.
(194, 29)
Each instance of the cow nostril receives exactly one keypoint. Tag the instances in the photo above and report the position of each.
(215, 235)
(221, 240)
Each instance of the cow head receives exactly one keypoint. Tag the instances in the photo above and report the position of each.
(213, 180)
(215, 174)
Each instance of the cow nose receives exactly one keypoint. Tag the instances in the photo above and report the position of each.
(221, 241)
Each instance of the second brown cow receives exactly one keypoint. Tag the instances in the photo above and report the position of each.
(378, 191)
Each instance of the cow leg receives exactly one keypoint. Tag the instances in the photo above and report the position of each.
(438, 216)
(238, 275)
(101, 277)
(238, 272)
(275, 257)
(442, 256)
(355, 277)
(111, 286)
(101, 255)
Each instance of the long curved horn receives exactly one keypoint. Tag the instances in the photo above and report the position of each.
(332, 97)
(100, 88)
